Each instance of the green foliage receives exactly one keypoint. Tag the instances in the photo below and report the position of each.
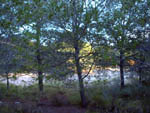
(55, 36)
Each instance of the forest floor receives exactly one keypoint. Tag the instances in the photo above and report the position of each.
(32, 107)
(57, 104)
(26, 108)
(101, 99)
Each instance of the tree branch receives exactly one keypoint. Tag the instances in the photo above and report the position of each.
(88, 71)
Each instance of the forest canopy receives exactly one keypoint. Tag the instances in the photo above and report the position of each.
(58, 39)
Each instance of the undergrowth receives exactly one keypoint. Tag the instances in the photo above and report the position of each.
(101, 98)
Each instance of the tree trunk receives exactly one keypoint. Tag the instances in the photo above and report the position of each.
(142, 60)
(40, 73)
(121, 70)
(77, 51)
(79, 72)
(140, 74)
(40, 77)
(7, 81)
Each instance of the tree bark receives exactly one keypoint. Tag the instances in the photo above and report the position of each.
(77, 52)
(140, 74)
(40, 77)
(40, 73)
(79, 72)
(121, 70)
(7, 77)
(142, 60)
(39, 59)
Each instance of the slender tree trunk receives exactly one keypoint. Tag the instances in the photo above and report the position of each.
(140, 74)
(79, 72)
(39, 59)
(77, 51)
(40, 77)
(121, 70)
(40, 73)
(142, 60)
(7, 77)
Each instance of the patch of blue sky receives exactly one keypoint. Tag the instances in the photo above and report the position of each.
(28, 28)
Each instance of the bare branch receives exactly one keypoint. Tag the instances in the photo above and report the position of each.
(88, 71)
